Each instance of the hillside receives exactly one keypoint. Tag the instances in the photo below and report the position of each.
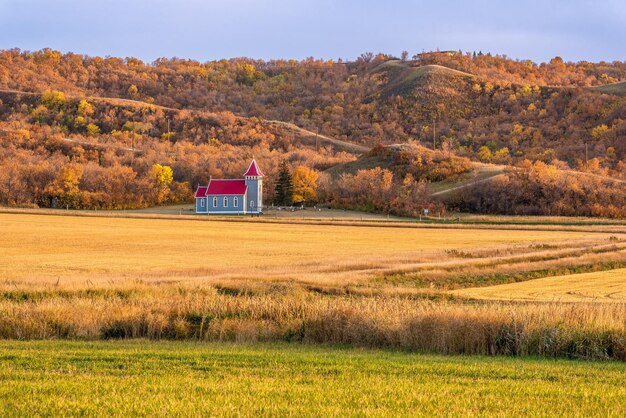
(443, 173)
(538, 112)
(70, 123)
(300, 136)
(305, 137)
(402, 78)
(109, 148)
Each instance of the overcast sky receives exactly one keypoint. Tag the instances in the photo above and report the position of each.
(208, 30)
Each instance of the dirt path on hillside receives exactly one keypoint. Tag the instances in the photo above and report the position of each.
(466, 185)
(356, 148)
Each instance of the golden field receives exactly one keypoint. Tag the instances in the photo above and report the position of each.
(364, 284)
(61, 250)
(600, 286)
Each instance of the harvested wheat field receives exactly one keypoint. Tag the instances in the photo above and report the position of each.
(363, 285)
(68, 250)
(603, 286)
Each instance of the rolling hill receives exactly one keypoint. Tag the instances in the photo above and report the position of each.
(402, 78)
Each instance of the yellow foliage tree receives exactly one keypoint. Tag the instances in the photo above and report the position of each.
(133, 91)
(93, 130)
(484, 154)
(599, 131)
(163, 176)
(53, 99)
(70, 178)
(85, 108)
(304, 187)
(502, 156)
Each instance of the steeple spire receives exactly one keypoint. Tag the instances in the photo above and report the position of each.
(253, 170)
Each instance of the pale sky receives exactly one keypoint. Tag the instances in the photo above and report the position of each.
(208, 30)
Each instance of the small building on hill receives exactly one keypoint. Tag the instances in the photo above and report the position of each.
(232, 196)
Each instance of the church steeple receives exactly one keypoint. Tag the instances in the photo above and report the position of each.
(254, 181)
(253, 170)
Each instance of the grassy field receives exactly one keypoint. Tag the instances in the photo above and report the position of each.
(53, 378)
(604, 286)
(362, 284)
(61, 250)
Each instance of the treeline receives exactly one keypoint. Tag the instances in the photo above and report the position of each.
(542, 189)
(556, 72)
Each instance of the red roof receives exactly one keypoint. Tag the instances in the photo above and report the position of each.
(226, 187)
(253, 170)
(201, 192)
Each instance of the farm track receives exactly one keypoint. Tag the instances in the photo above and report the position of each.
(466, 185)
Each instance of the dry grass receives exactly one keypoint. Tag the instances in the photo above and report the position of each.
(62, 250)
(107, 277)
(605, 286)
(290, 313)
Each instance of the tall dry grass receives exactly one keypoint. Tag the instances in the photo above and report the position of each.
(286, 312)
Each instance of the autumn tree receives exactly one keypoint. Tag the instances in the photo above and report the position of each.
(69, 178)
(163, 176)
(85, 108)
(304, 185)
(92, 129)
(133, 91)
(53, 99)
(484, 154)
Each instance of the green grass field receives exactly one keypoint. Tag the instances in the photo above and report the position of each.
(185, 378)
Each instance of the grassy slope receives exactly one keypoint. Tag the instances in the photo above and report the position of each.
(403, 78)
(183, 379)
(482, 172)
(613, 88)
(304, 136)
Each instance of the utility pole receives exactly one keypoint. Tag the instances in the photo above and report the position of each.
(434, 140)
(317, 139)
(168, 129)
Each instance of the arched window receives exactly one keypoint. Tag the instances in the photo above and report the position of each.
(235, 201)
(251, 204)
(201, 203)
(214, 201)
(225, 201)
